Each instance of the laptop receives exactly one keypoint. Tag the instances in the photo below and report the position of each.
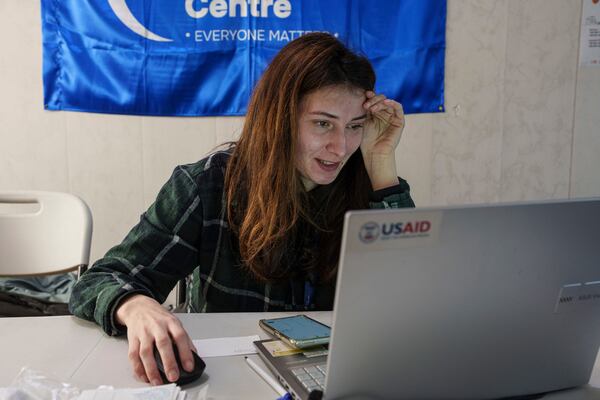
(470, 302)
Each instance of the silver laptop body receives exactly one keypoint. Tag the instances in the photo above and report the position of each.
(474, 302)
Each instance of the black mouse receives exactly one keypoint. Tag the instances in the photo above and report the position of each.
(184, 376)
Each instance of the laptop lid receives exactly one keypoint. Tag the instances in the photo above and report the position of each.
(466, 302)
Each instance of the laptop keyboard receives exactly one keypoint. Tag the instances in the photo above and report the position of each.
(312, 378)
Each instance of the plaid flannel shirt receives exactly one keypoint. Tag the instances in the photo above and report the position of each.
(186, 232)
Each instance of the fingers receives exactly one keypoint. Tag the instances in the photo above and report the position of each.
(185, 346)
(136, 361)
(388, 110)
(146, 353)
(398, 112)
(165, 350)
(374, 102)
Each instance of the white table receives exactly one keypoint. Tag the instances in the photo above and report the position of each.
(79, 352)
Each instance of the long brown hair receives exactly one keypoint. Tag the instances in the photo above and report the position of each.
(265, 196)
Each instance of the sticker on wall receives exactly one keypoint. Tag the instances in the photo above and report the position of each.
(589, 49)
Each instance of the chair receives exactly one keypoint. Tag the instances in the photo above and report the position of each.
(43, 233)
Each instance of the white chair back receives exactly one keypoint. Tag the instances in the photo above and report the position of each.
(53, 238)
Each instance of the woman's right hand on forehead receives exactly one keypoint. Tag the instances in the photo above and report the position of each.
(381, 135)
(148, 325)
(384, 125)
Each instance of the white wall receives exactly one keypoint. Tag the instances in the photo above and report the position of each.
(522, 121)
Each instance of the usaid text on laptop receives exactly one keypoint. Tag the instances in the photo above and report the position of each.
(474, 302)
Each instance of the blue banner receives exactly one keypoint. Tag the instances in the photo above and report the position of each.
(203, 57)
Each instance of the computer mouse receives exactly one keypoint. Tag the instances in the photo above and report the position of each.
(185, 377)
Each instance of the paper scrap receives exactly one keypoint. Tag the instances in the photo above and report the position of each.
(226, 346)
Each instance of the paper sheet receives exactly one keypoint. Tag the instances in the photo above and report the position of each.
(589, 48)
(164, 392)
(226, 346)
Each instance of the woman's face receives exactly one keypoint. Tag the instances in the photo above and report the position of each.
(330, 126)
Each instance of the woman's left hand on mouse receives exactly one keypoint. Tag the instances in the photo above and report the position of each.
(149, 324)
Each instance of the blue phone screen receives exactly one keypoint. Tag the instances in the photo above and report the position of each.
(299, 327)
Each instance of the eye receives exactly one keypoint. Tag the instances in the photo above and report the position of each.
(323, 124)
(355, 127)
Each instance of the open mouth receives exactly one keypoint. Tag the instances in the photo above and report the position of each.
(328, 165)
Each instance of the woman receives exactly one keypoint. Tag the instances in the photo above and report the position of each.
(259, 223)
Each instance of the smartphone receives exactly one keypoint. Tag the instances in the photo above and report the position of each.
(298, 331)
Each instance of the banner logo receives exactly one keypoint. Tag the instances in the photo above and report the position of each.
(201, 8)
(125, 15)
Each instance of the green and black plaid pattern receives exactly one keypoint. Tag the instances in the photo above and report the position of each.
(186, 232)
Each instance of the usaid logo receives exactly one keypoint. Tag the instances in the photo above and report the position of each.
(371, 231)
(201, 8)
(405, 228)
